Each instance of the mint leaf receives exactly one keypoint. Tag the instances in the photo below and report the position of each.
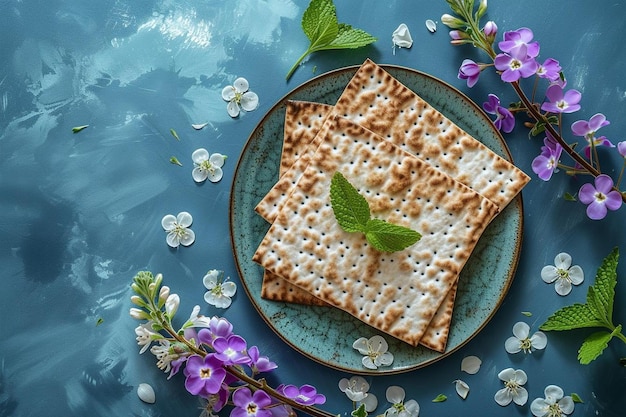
(601, 294)
(351, 208)
(320, 25)
(570, 317)
(388, 237)
(594, 345)
(319, 22)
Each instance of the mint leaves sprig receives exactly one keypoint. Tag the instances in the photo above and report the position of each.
(597, 311)
(320, 25)
(352, 212)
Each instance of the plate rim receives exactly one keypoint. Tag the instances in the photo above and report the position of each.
(518, 201)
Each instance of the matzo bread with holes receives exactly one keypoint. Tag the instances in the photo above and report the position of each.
(303, 121)
(397, 293)
(376, 100)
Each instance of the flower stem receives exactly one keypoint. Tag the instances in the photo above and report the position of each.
(293, 68)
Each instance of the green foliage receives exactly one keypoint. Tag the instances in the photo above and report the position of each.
(359, 412)
(440, 398)
(597, 311)
(353, 215)
(79, 128)
(320, 25)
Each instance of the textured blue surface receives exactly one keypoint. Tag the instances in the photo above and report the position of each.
(81, 212)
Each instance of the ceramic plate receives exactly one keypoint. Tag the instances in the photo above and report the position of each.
(326, 334)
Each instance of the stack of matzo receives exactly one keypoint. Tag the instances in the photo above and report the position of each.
(451, 192)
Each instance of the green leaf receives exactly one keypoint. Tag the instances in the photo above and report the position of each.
(351, 209)
(576, 398)
(99, 321)
(359, 412)
(570, 317)
(601, 295)
(173, 132)
(350, 38)
(569, 197)
(594, 345)
(320, 25)
(79, 128)
(388, 237)
(440, 398)
(527, 313)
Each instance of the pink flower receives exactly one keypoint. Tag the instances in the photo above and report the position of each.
(505, 120)
(550, 69)
(520, 37)
(204, 375)
(546, 163)
(469, 71)
(588, 129)
(516, 64)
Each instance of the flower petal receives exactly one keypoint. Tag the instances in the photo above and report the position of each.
(549, 274)
(200, 155)
(395, 394)
(553, 393)
(233, 109)
(563, 260)
(539, 407)
(461, 388)
(385, 359)
(370, 401)
(576, 275)
(378, 343)
(199, 175)
(471, 364)
(187, 238)
(512, 345)
(503, 397)
(228, 93)
(596, 210)
(216, 174)
(172, 240)
(249, 101)
(506, 374)
(241, 85)
(368, 363)
(184, 219)
(229, 288)
(520, 397)
(217, 160)
(361, 345)
(567, 405)
(563, 287)
(168, 222)
(539, 340)
(521, 330)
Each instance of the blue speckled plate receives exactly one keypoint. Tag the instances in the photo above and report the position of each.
(326, 334)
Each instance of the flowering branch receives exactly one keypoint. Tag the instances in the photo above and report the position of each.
(215, 358)
(516, 60)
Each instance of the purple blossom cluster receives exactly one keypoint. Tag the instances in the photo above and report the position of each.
(517, 59)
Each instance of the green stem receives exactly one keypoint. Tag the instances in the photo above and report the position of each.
(298, 62)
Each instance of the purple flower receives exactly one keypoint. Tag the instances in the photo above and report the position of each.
(550, 69)
(305, 395)
(250, 405)
(600, 197)
(520, 37)
(561, 102)
(516, 64)
(588, 129)
(218, 327)
(469, 71)
(621, 148)
(204, 375)
(547, 162)
(505, 120)
(260, 363)
(231, 350)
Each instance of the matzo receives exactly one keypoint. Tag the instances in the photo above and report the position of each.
(376, 100)
(397, 293)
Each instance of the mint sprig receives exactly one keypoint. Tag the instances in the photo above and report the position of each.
(597, 311)
(352, 212)
(320, 25)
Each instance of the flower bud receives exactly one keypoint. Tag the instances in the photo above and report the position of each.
(164, 293)
(452, 22)
(137, 300)
(482, 9)
(490, 29)
(621, 148)
(456, 35)
(171, 304)
(138, 314)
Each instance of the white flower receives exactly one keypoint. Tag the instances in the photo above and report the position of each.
(171, 304)
(197, 320)
(521, 342)
(401, 37)
(554, 405)
(220, 291)
(461, 388)
(375, 351)
(471, 364)
(206, 166)
(177, 228)
(563, 273)
(239, 97)
(395, 395)
(513, 390)
(145, 336)
(356, 390)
